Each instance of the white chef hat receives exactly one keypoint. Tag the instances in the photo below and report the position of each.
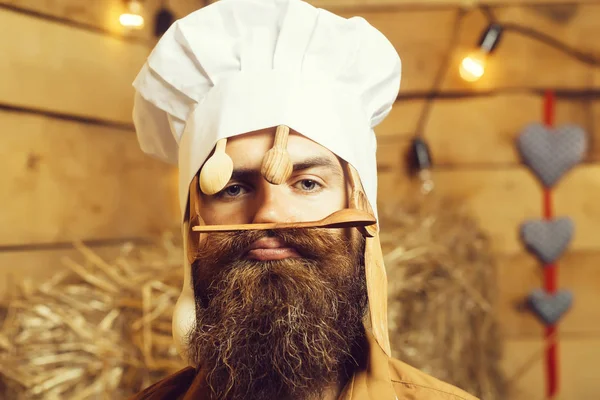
(239, 66)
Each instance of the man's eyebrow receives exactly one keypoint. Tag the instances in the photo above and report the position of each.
(245, 174)
(249, 174)
(318, 161)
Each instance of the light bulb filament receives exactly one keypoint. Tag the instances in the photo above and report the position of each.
(132, 18)
(472, 67)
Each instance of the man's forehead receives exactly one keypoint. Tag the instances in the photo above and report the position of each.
(248, 150)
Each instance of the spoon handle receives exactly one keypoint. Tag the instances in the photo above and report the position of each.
(274, 226)
(277, 166)
(281, 137)
(221, 145)
(329, 222)
(358, 200)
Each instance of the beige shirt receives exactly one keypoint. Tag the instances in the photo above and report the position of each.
(384, 378)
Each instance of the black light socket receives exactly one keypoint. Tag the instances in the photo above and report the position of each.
(490, 38)
(419, 156)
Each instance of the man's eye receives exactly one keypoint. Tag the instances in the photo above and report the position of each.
(232, 191)
(308, 185)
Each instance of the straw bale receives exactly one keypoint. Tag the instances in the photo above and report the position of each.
(442, 291)
(98, 329)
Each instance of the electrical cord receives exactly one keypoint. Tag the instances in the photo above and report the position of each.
(583, 57)
(441, 73)
(489, 14)
(420, 157)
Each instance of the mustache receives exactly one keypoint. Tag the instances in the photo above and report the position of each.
(310, 243)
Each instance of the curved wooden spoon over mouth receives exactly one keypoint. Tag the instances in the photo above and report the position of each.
(345, 218)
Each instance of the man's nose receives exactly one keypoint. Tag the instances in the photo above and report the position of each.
(272, 205)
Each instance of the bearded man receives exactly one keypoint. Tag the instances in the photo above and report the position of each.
(268, 107)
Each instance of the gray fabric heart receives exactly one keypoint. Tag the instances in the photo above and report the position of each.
(550, 153)
(550, 307)
(547, 239)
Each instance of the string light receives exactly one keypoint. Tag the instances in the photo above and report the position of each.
(472, 66)
(420, 162)
(132, 18)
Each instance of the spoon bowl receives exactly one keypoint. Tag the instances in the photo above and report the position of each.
(217, 170)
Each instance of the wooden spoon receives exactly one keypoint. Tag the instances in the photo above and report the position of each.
(277, 166)
(358, 200)
(217, 170)
(340, 219)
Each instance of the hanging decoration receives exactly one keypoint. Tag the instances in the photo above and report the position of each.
(550, 307)
(548, 239)
(550, 153)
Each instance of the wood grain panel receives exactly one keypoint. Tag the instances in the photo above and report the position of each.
(519, 61)
(421, 50)
(422, 53)
(578, 196)
(66, 70)
(65, 181)
(579, 363)
(484, 130)
(402, 120)
(103, 14)
(481, 131)
(594, 127)
(503, 198)
(392, 154)
(578, 272)
(572, 23)
(426, 3)
(498, 199)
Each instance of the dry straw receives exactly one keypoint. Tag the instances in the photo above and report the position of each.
(97, 329)
(102, 329)
(442, 290)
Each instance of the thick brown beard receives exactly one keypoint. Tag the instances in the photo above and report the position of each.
(278, 329)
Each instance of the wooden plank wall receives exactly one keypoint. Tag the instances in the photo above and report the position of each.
(72, 169)
(71, 157)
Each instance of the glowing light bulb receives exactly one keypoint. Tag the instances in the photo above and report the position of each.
(133, 17)
(472, 66)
